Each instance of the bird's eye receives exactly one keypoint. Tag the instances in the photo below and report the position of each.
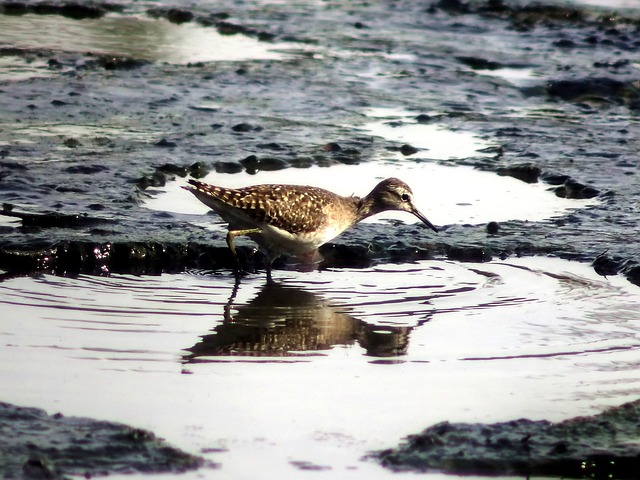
(405, 197)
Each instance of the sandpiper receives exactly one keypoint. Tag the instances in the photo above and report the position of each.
(298, 219)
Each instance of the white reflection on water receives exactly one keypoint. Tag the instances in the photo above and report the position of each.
(138, 37)
(327, 366)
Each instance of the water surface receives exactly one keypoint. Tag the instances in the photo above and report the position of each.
(310, 374)
(135, 36)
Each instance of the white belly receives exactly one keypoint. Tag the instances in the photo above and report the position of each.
(277, 240)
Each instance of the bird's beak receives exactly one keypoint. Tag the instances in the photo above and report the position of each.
(424, 219)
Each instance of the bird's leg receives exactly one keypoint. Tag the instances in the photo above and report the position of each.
(269, 277)
(234, 233)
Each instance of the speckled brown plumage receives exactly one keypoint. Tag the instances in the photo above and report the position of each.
(293, 208)
(298, 219)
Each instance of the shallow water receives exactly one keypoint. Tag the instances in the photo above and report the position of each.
(137, 36)
(311, 374)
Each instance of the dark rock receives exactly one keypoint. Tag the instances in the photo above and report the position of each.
(301, 162)
(347, 159)
(602, 446)
(477, 63)
(228, 28)
(525, 171)
(605, 266)
(408, 150)
(86, 169)
(37, 445)
(564, 43)
(533, 14)
(595, 88)
(164, 143)
(51, 219)
(228, 167)
(174, 15)
(632, 272)
(613, 65)
(245, 127)
(493, 228)
(469, 254)
(271, 146)
(508, 132)
(423, 118)
(250, 163)
(405, 254)
(451, 6)
(71, 143)
(15, 8)
(271, 164)
(332, 147)
(75, 11)
(554, 179)
(173, 169)
(576, 190)
(121, 63)
(345, 256)
(157, 179)
(70, 189)
(253, 164)
(198, 169)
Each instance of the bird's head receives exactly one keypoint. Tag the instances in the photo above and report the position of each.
(394, 194)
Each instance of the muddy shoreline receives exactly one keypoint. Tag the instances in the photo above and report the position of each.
(82, 189)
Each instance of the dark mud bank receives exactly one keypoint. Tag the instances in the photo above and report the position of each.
(37, 445)
(599, 447)
(84, 137)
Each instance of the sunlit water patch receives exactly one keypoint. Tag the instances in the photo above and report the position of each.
(447, 195)
(608, 4)
(323, 366)
(522, 77)
(437, 141)
(139, 37)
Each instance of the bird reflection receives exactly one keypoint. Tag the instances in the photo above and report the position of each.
(287, 321)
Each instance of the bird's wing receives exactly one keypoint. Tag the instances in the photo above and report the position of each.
(289, 207)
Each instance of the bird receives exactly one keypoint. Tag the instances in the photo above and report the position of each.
(298, 219)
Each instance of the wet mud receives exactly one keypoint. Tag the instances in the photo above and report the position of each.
(37, 445)
(602, 446)
(86, 135)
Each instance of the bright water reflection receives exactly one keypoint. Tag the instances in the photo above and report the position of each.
(139, 37)
(324, 366)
